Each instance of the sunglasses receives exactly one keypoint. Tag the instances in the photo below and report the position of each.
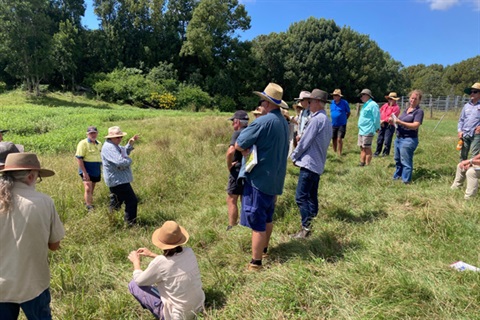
(474, 92)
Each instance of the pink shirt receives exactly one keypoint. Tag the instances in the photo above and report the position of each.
(386, 111)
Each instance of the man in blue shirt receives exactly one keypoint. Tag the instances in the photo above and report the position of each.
(469, 123)
(339, 112)
(368, 124)
(310, 155)
(118, 174)
(265, 181)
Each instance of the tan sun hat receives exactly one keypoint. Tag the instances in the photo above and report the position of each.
(169, 236)
(475, 86)
(318, 94)
(367, 92)
(25, 161)
(259, 110)
(337, 92)
(303, 95)
(115, 132)
(392, 95)
(273, 93)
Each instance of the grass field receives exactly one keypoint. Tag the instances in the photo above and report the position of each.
(379, 249)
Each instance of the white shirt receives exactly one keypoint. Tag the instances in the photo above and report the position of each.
(178, 281)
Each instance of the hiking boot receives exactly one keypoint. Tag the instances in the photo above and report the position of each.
(254, 267)
(302, 234)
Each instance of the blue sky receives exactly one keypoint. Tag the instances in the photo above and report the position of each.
(412, 31)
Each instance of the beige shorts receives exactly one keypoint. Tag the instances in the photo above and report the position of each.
(365, 141)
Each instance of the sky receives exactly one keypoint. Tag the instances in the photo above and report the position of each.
(412, 31)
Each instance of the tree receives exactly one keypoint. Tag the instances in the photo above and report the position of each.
(462, 75)
(66, 51)
(26, 31)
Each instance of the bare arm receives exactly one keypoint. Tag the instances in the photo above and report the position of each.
(81, 165)
(229, 157)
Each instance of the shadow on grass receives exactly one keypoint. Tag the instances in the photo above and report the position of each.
(326, 246)
(54, 102)
(214, 299)
(422, 173)
(347, 216)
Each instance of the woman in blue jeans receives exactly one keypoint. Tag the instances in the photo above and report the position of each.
(407, 137)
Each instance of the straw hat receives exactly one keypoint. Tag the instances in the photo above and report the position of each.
(392, 95)
(273, 93)
(25, 161)
(169, 236)
(475, 86)
(259, 110)
(337, 92)
(318, 94)
(303, 95)
(367, 92)
(115, 132)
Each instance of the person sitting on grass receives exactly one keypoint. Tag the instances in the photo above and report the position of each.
(178, 292)
(469, 170)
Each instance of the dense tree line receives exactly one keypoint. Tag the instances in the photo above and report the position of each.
(164, 46)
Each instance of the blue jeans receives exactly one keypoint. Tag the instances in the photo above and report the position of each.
(148, 297)
(404, 149)
(35, 309)
(307, 195)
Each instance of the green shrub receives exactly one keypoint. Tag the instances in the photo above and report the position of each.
(192, 98)
(3, 87)
(224, 103)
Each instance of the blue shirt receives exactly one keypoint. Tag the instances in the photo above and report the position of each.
(369, 120)
(415, 116)
(311, 151)
(469, 119)
(270, 134)
(116, 167)
(338, 112)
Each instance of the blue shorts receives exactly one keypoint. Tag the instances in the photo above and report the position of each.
(257, 208)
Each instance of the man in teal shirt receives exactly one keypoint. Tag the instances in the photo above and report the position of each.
(368, 124)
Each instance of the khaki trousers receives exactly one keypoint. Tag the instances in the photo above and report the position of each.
(471, 175)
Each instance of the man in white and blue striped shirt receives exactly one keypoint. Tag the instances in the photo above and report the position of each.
(310, 155)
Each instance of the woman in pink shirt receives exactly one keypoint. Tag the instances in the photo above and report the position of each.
(387, 129)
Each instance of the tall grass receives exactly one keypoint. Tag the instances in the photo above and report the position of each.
(379, 249)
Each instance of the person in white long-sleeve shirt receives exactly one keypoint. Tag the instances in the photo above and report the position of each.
(171, 286)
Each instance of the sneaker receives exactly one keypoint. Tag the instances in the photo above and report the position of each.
(254, 267)
(229, 228)
(454, 187)
(361, 164)
(302, 234)
(89, 207)
(375, 155)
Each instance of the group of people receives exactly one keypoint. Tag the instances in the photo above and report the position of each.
(170, 287)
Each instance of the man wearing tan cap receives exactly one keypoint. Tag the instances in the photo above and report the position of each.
(339, 112)
(304, 114)
(469, 123)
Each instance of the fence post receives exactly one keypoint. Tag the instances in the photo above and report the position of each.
(431, 107)
(446, 103)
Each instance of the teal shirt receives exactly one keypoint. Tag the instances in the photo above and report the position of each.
(369, 120)
(270, 134)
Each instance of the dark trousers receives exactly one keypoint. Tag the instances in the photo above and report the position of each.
(385, 137)
(124, 193)
(37, 308)
(307, 195)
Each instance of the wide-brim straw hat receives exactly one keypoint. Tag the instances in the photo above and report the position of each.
(367, 92)
(475, 86)
(392, 95)
(303, 95)
(115, 132)
(273, 93)
(318, 94)
(170, 235)
(337, 92)
(25, 161)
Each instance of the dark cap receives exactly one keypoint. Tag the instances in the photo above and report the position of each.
(92, 129)
(6, 148)
(240, 115)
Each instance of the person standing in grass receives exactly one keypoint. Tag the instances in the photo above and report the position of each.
(469, 170)
(29, 227)
(387, 129)
(117, 173)
(234, 163)
(407, 137)
(368, 124)
(265, 181)
(310, 155)
(89, 162)
(469, 123)
(304, 114)
(339, 112)
(171, 286)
